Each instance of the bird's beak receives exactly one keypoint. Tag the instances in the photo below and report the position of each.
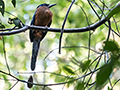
(51, 5)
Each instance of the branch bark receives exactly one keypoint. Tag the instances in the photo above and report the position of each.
(114, 11)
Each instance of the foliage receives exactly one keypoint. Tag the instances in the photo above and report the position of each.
(2, 7)
(14, 2)
(89, 60)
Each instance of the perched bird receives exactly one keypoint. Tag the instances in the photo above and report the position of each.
(41, 17)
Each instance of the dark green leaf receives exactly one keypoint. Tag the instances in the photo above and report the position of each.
(14, 2)
(22, 44)
(114, 59)
(68, 70)
(85, 65)
(59, 79)
(2, 26)
(70, 82)
(56, 72)
(109, 88)
(103, 74)
(4, 77)
(110, 46)
(79, 86)
(2, 7)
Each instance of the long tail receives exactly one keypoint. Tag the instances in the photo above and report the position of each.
(34, 54)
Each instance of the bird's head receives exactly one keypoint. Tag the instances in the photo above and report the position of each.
(47, 5)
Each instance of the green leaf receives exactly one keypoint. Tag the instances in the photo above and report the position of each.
(110, 46)
(56, 72)
(114, 11)
(79, 86)
(114, 59)
(67, 69)
(85, 65)
(103, 74)
(2, 7)
(14, 2)
(60, 79)
(70, 81)
(2, 26)
(109, 88)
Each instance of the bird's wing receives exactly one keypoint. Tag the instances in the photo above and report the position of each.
(31, 31)
(45, 32)
(33, 19)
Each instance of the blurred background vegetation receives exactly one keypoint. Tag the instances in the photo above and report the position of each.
(73, 61)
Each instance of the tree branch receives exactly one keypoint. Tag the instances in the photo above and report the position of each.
(62, 31)
(20, 80)
(114, 11)
(71, 30)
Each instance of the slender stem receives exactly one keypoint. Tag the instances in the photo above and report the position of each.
(13, 86)
(5, 55)
(19, 80)
(64, 25)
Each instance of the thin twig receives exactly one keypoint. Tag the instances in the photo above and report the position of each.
(93, 73)
(100, 18)
(62, 31)
(99, 8)
(13, 85)
(91, 64)
(91, 86)
(5, 55)
(115, 83)
(71, 47)
(7, 79)
(116, 25)
(9, 29)
(104, 5)
(49, 84)
(42, 72)
(109, 30)
(110, 82)
(89, 31)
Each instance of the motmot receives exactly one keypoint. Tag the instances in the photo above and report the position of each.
(41, 17)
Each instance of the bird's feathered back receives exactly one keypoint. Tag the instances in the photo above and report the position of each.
(33, 18)
(41, 17)
(33, 22)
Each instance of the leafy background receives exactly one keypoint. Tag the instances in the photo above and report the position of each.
(73, 61)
